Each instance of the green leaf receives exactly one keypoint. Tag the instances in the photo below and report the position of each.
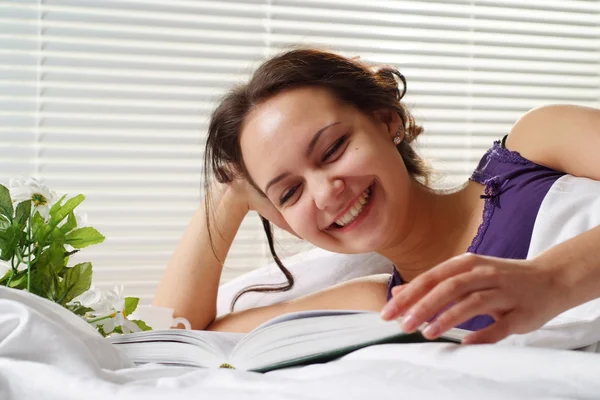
(76, 281)
(20, 282)
(78, 309)
(83, 237)
(141, 324)
(131, 304)
(23, 212)
(37, 224)
(52, 260)
(70, 224)
(6, 277)
(56, 236)
(58, 205)
(59, 212)
(100, 330)
(4, 222)
(117, 329)
(39, 284)
(6, 207)
(9, 240)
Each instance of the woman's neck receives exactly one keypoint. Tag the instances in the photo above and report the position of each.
(441, 225)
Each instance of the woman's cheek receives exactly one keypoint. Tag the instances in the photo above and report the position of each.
(301, 220)
(356, 161)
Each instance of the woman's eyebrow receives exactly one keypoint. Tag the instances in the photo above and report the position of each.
(311, 147)
(275, 180)
(315, 139)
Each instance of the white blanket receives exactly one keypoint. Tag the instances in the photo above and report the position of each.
(47, 353)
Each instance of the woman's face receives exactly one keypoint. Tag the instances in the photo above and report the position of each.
(333, 172)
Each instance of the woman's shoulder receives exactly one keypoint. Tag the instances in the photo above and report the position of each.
(550, 135)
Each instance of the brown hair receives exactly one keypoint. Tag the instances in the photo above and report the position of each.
(351, 81)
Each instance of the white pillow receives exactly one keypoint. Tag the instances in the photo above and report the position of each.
(313, 270)
(571, 207)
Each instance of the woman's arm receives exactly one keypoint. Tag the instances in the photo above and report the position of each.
(562, 137)
(575, 264)
(191, 280)
(521, 295)
(366, 293)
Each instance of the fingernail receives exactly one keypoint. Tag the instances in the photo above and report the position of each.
(408, 323)
(397, 289)
(388, 311)
(432, 330)
(468, 340)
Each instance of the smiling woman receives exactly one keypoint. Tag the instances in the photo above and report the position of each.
(327, 173)
(322, 146)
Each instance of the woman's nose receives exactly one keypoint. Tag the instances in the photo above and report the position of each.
(327, 193)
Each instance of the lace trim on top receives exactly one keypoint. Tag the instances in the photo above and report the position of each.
(493, 187)
(507, 156)
(488, 212)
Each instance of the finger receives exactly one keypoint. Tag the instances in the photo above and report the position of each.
(495, 332)
(448, 292)
(396, 290)
(489, 302)
(424, 283)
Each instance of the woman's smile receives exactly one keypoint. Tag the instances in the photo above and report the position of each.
(353, 216)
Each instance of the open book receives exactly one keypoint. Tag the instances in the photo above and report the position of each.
(291, 339)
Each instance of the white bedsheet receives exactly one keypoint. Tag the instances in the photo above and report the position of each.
(47, 353)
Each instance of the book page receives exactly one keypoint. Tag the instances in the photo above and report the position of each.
(179, 347)
(304, 315)
(288, 340)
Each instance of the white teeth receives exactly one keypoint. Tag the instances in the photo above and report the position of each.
(355, 210)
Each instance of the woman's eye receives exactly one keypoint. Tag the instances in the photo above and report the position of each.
(287, 195)
(334, 148)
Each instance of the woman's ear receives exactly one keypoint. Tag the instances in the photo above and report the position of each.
(392, 121)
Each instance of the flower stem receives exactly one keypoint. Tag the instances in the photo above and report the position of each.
(30, 238)
(14, 268)
(100, 318)
(19, 259)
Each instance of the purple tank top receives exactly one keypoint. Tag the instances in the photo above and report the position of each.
(514, 190)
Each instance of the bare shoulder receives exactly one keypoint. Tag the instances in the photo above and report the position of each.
(366, 293)
(551, 134)
(538, 124)
(551, 120)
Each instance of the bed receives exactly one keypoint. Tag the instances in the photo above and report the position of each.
(46, 352)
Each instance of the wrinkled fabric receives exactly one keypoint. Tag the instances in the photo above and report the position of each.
(48, 353)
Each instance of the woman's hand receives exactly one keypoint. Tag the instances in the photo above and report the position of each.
(519, 295)
(246, 195)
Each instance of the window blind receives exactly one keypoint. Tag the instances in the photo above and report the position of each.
(112, 98)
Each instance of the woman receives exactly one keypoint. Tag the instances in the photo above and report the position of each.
(321, 146)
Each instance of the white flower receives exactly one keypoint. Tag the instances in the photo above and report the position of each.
(82, 219)
(35, 190)
(108, 309)
(5, 266)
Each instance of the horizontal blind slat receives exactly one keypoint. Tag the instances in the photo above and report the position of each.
(126, 89)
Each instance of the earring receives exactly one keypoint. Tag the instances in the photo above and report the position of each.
(397, 139)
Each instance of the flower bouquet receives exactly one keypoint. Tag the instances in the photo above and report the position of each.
(39, 232)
